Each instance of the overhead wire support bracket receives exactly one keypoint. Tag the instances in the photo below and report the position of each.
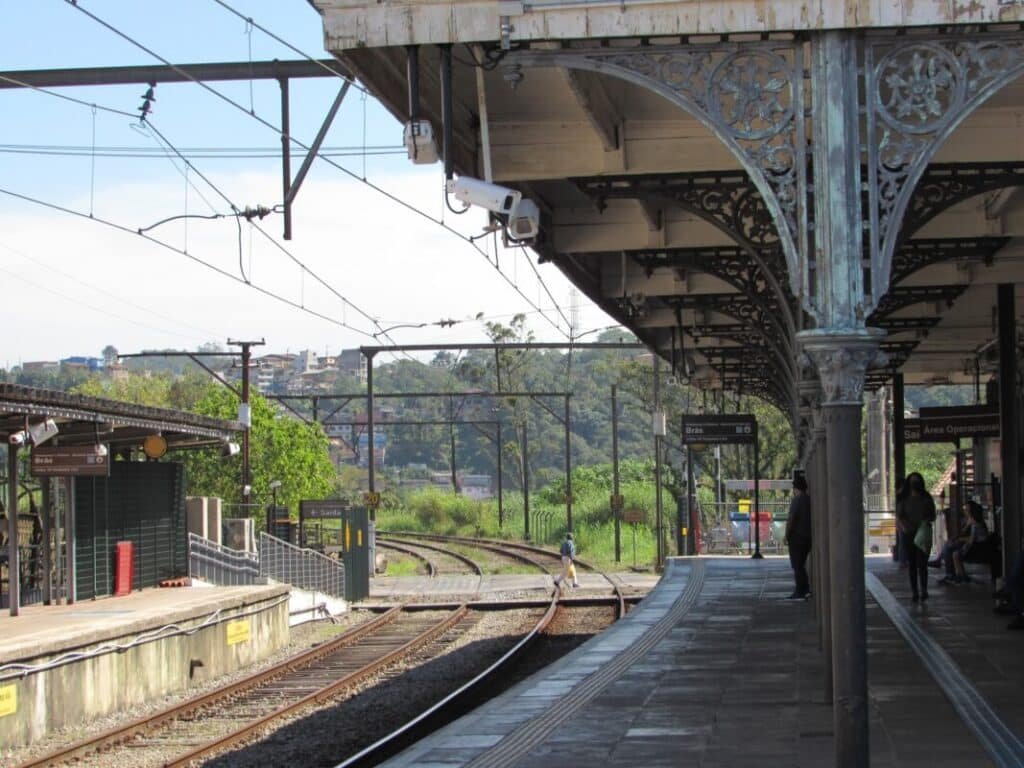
(291, 187)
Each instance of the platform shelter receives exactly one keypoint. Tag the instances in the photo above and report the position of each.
(793, 200)
(95, 463)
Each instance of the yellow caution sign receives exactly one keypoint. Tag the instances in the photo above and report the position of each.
(8, 700)
(238, 631)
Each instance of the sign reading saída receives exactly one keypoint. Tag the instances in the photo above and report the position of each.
(328, 509)
(721, 430)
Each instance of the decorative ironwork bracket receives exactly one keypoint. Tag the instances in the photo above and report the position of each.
(915, 255)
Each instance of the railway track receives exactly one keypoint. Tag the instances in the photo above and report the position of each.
(229, 715)
(515, 549)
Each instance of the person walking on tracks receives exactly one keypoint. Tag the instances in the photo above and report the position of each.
(915, 513)
(798, 537)
(568, 553)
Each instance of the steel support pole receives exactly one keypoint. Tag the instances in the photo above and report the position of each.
(849, 620)
(824, 538)
(658, 512)
(899, 445)
(70, 514)
(526, 483)
(568, 469)
(757, 501)
(1009, 424)
(451, 444)
(501, 509)
(13, 562)
(46, 510)
(370, 479)
(616, 512)
(286, 157)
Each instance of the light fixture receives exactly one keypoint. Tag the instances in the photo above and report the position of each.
(17, 438)
(43, 431)
(229, 448)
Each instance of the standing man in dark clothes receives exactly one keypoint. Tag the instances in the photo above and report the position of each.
(798, 537)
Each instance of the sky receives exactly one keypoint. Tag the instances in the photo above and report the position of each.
(73, 281)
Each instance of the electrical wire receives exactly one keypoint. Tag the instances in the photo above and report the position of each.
(129, 39)
(117, 297)
(163, 244)
(211, 153)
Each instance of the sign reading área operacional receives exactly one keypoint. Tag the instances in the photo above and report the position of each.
(947, 425)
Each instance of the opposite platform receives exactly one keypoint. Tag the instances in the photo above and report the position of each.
(714, 669)
(72, 663)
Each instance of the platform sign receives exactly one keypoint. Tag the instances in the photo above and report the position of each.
(330, 509)
(633, 515)
(70, 461)
(238, 631)
(720, 430)
(946, 425)
(8, 700)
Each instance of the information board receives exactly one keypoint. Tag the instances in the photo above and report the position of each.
(70, 461)
(740, 428)
(946, 425)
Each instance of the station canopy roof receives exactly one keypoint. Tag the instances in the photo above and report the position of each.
(85, 420)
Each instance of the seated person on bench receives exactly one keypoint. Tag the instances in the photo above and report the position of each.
(972, 545)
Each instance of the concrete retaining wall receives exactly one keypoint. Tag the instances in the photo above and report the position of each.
(245, 630)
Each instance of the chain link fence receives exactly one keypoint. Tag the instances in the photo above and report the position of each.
(302, 568)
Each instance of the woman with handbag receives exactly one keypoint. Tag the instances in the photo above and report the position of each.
(915, 513)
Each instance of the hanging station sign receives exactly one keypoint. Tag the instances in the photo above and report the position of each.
(329, 509)
(70, 461)
(947, 425)
(720, 430)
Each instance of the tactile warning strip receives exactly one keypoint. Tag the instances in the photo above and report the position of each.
(534, 731)
(1003, 745)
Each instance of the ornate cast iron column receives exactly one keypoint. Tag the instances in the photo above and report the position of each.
(819, 506)
(841, 348)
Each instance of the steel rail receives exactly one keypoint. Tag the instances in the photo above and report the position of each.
(324, 693)
(445, 709)
(616, 587)
(490, 546)
(122, 733)
(477, 570)
(431, 568)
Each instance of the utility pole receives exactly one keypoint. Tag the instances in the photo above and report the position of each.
(245, 413)
(451, 441)
(568, 470)
(616, 500)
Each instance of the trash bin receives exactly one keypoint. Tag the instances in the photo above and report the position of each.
(124, 564)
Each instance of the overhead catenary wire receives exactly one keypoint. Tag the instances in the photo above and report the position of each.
(163, 244)
(115, 296)
(380, 190)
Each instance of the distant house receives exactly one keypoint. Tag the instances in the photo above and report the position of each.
(41, 366)
(86, 364)
(305, 361)
(353, 363)
(476, 486)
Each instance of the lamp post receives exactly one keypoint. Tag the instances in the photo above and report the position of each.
(274, 485)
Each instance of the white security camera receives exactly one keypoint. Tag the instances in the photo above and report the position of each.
(493, 197)
(17, 438)
(521, 216)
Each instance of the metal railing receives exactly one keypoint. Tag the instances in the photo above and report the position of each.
(302, 568)
(220, 565)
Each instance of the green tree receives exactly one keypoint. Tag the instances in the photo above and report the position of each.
(282, 448)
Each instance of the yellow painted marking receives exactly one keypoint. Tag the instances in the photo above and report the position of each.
(238, 631)
(359, 537)
(348, 538)
(8, 700)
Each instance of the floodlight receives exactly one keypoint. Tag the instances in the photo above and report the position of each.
(17, 438)
(229, 448)
(43, 431)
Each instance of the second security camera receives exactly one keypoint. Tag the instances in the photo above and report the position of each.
(521, 216)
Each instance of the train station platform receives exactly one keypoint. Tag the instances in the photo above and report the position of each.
(717, 669)
(69, 663)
